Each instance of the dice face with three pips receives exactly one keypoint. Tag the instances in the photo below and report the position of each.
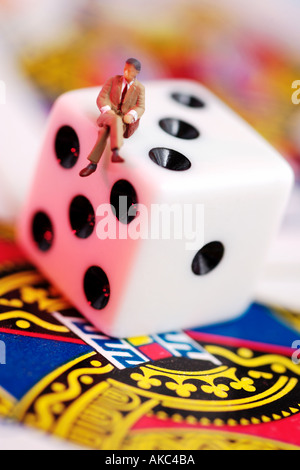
(176, 236)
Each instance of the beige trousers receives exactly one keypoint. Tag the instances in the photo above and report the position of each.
(109, 125)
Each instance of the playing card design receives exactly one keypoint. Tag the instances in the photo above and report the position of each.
(228, 386)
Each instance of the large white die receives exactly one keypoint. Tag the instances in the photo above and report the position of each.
(191, 158)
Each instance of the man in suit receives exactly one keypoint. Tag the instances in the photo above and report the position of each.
(121, 102)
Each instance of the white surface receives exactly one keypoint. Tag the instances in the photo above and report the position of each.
(14, 436)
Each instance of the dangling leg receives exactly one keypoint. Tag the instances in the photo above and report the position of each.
(96, 153)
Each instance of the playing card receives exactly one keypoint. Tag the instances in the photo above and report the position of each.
(227, 386)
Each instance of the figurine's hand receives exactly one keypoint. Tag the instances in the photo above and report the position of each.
(99, 120)
(128, 118)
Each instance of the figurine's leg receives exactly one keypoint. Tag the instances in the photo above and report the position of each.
(99, 146)
(116, 131)
(116, 136)
(116, 126)
(96, 152)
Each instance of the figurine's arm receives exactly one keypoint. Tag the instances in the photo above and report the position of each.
(138, 110)
(103, 100)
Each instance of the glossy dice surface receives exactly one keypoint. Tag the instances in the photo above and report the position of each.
(134, 273)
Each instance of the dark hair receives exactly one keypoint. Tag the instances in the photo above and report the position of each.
(136, 63)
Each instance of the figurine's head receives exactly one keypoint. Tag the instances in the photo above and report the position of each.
(132, 69)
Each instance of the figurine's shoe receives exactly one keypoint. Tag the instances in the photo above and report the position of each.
(115, 157)
(87, 171)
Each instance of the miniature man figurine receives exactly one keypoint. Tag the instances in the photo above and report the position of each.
(122, 103)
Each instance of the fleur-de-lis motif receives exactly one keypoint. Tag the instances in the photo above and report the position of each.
(145, 382)
(182, 390)
(244, 384)
(219, 390)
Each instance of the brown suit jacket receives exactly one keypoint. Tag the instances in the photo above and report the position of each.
(134, 100)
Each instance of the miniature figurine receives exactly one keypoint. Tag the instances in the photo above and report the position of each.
(121, 102)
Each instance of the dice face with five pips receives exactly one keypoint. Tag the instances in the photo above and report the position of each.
(172, 238)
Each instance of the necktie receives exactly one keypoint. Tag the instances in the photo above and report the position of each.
(123, 94)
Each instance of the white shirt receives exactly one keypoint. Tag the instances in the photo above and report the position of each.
(106, 108)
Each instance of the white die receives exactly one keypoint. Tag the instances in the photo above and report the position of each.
(191, 156)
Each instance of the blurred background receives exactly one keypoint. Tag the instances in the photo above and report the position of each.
(245, 52)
